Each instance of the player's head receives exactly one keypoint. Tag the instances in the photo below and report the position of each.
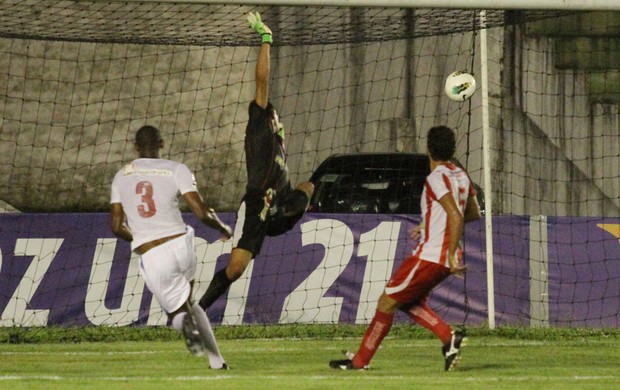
(441, 143)
(148, 141)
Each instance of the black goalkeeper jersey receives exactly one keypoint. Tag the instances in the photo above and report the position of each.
(265, 153)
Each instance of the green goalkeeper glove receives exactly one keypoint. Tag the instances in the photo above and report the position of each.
(260, 27)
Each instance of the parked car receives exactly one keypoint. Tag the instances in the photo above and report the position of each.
(373, 183)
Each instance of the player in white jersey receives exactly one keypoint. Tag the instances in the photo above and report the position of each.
(448, 201)
(145, 212)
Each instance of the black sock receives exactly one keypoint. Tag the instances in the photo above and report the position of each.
(218, 286)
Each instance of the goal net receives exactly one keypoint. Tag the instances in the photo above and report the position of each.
(78, 78)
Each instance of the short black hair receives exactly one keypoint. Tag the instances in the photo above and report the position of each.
(148, 138)
(441, 143)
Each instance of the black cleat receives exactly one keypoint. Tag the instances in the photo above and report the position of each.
(451, 351)
(346, 364)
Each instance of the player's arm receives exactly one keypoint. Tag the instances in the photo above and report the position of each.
(117, 222)
(455, 231)
(206, 214)
(262, 76)
(472, 209)
(263, 63)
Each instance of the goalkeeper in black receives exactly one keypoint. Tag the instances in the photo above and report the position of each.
(270, 206)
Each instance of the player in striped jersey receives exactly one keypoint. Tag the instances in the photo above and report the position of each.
(448, 201)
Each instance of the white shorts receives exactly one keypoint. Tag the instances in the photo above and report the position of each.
(168, 270)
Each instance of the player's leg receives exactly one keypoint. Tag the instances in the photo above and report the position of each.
(184, 322)
(451, 340)
(422, 278)
(422, 314)
(375, 333)
(192, 319)
(428, 276)
(239, 260)
(220, 282)
(218, 286)
(247, 240)
(401, 288)
(176, 320)
(171, 288)
(183, 252)
(377, 330)
(203, 325)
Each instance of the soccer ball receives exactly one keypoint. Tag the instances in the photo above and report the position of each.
(460, 86)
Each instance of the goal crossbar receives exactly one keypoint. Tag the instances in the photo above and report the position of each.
(583, 5)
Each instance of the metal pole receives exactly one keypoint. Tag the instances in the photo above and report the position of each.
(486, 152)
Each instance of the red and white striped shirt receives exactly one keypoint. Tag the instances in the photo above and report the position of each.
(434, 238)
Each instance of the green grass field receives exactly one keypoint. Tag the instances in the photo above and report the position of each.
(491, 360)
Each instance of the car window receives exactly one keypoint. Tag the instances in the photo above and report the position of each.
(368, 189)
(389, 183)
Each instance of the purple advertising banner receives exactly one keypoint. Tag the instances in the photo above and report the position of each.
(68, 270)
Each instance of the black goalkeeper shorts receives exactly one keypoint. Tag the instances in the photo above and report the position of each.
(253, 227)
(250, 224)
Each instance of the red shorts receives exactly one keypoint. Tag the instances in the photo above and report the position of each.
(415, 279)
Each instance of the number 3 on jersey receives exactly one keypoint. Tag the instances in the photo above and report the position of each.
(147, 209)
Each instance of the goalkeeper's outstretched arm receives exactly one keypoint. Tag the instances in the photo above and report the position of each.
(263, 62)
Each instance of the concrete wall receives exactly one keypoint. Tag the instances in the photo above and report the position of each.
(69, 112)
(559, 152)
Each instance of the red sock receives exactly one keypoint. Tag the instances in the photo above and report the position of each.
(377, 330)
(425, 316)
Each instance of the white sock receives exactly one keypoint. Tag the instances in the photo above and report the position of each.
(204, 327)
(177, 322)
